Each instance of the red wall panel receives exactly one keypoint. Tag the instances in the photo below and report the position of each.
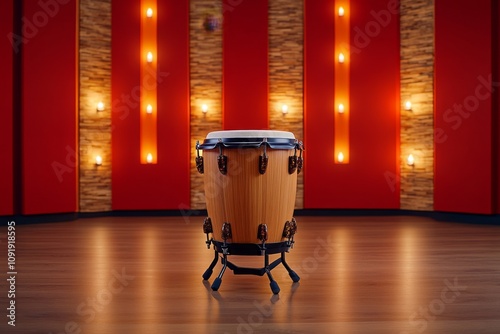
(49, 108)
(245, 64)
(374, 117)
(463, 114)
(6, 121)
(164, 185)
(496, 111)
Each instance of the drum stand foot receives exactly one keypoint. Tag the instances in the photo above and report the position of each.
(217, 282)
(206, 275)
(293, 274)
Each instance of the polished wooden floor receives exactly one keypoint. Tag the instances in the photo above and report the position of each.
(358, 275)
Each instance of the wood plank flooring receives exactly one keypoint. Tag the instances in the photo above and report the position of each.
(373, 275)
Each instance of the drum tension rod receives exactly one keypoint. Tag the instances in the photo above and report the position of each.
(222, 160)
(292, 162)
(199, 159)
(207, 229)
(263, 159)
(289, 231)
(300, 161)
(262, 236)
(226, 234)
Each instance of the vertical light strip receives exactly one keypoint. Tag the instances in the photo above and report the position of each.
(341, 95)
(149, 62)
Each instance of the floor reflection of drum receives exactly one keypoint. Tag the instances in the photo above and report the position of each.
(256, 186)
(250, 180)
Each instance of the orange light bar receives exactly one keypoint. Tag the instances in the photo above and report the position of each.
(149, 64)
(342, 69)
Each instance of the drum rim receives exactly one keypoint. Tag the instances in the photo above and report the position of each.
(223, 134)
(249, 142)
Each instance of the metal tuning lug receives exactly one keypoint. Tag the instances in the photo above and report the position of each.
(292, 162)
(293, 230)
(300, 161)
(262, 236)
(222, 161)
(286, 231)
(199, 159)
(263, 159)
(207, 229)
(226, 235)
(226, 231)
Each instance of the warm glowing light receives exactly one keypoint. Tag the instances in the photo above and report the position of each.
(98, 160)
(340, 157)
(410, 160)
(149, 12)
(149, 158)
(408, 105)
(341, 11)
(149, 57)
(341, 58)
(100, 106)
(204, 108)
(284, 109)
(149, 109)
(341, 108)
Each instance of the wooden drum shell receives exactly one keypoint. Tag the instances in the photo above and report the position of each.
(244, 197)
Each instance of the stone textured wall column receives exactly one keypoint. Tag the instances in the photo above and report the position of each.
(417, 86)
(95, 86)
(286, 53)
(206, 83)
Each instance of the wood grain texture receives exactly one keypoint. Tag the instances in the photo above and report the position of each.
(358, 275)
(244, 198)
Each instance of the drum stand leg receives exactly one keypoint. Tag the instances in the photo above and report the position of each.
(218, 280)
(249, 271)
(206, 275)
(293, 274)
(274, 285)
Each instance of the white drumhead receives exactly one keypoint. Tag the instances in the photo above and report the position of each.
(251, 134)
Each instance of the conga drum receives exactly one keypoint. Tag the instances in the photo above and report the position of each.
(250, 183)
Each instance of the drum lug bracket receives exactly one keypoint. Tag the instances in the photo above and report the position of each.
(263, 159)
(300, 161)
(226, 232)
(222, 161)
(289, 231)
(294, 162)
(262, 236)
(199, 159)
(207, 229)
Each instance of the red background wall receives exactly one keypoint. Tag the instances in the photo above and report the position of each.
(49, 110)
(6, 122)
(467, 157)
(374, 118)
(164, 185)
(245, 65)
(496, 110)
(464, 178)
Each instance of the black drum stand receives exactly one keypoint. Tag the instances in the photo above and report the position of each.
(225, 248)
